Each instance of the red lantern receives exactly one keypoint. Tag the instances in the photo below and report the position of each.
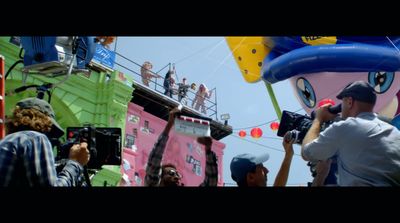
(326, 101)
(242, 133)
(274, 126)
(256, 133)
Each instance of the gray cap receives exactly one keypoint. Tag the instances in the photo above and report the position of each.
(46, 109)
(242, 164)
(360, 91)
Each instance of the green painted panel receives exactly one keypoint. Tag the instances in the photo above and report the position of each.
(80, 99)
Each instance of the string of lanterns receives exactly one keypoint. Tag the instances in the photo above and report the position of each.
(256, 133)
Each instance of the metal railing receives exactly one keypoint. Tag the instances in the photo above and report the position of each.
(131, 67)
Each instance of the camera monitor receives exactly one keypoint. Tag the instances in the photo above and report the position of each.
(104, 144)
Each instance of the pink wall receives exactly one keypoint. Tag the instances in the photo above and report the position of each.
(181, 150)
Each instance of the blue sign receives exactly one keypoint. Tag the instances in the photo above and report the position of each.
(104, 56)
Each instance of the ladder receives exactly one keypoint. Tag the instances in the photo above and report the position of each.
(2, 98)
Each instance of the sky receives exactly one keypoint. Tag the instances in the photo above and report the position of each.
(209, 60)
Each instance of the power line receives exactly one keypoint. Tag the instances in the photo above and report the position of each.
(268, 147)
(265, 137)
(196, 52)
(249, 127)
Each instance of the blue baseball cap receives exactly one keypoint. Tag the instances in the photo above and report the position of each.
(245, 163)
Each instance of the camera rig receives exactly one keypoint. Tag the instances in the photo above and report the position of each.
(104, 145)
(298, 125)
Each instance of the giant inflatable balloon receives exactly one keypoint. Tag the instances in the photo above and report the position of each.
(319, 67)
(249, 53)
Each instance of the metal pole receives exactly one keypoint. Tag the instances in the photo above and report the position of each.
(115, 45)
(163, 68)
(176, 73)
(216, 105)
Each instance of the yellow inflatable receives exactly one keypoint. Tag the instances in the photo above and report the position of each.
(249, 53)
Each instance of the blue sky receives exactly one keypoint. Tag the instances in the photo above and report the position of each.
(209, 60)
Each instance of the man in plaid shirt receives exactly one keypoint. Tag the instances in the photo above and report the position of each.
(167, 175)
(26, 154)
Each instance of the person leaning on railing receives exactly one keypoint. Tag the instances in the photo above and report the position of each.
(145, 72)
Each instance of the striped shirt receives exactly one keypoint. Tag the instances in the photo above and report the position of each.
(153, 169)
(26, 159)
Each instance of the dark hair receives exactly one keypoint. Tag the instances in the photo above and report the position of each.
(167, 79)
(168, 74)
(28, 119)
(243, 183)
(165, 166)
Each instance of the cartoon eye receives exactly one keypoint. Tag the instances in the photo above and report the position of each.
(381, 81)
(306, 92)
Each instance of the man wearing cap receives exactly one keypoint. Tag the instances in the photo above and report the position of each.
(367, 148)
(26, 154)
(248, 170)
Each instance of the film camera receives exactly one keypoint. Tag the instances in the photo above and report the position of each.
(298, 125)
(104, 145)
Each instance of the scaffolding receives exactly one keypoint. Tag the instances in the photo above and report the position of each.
(132, 68)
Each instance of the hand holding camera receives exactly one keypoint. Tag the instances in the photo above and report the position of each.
(287, 143)
(298, 125)
(324, 114)
(80, 153)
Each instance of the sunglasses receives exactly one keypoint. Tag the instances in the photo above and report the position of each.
(174, 173)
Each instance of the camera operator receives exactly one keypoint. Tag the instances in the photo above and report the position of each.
(248, 170)
(26, 154)
(367, 148)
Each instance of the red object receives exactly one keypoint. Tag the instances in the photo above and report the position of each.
(326, 101)
(242, 133)
(256, 133)
(274, 126)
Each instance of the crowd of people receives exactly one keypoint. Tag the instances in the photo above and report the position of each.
(173, 87)
(365, 149)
